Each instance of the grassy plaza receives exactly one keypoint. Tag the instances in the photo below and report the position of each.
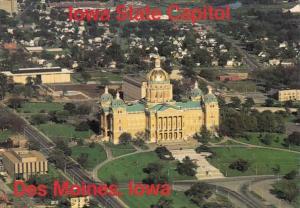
(261, 161)
(131, 168)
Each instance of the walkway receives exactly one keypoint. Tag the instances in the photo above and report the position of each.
(110, 158)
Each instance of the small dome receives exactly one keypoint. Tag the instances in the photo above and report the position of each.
(196, 92)
(106, 97)
(118, 102)
(210, 97)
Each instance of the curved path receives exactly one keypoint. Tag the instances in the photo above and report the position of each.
(110, 158)
(258, 146)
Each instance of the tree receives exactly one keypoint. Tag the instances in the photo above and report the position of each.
(291, 175)
(249, 103)
(15, 102)
(82, 126)
(62, 145)
(204, 136)
(163, 202)
(153, 168)
(163, 153)
(267, 139)
(240, 165)
(276, 169)
(286, 190)
(199, 192)
(61, 116)
(187, 167)
(71, 107)
(85, 76)
(208, 74)
(125, 138)
(293, 139)
(58, 158)
(3, 85)
(84, 109)
(269, 102)
(155, 175)
(37, 119)
(83, 159)
(235, 102)
(203, 148)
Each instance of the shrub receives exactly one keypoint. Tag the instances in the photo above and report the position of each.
(163, 153)
(240, 165)
(38, 119)
(125, 138)
(82, 126)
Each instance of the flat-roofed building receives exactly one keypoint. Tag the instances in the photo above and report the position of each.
(23, 163)
(10, 6)
(80, 201)
(289, 95)
(134, 87)
(47, 75)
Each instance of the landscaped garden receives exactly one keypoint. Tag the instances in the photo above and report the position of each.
(131, 168)
(260, 161)
(95, 155)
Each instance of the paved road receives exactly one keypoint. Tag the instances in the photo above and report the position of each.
(74, 169)
(254, 65)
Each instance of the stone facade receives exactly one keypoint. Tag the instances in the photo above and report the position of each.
(50, 75)
(288, 95)
(22, 163)
(157, 115)
(10, 6)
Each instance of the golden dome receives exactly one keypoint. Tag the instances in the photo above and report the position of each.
(158, 74)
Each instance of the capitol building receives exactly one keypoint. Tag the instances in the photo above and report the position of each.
(156, 114)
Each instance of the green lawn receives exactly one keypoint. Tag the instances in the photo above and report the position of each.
(5, 134)
(241, 86)
(261, 160)
(278, 140)
(96, 155)
(118, 150)
(67, 131)
(178, 198)
(99, 76)
(131, 168)
(38, 107)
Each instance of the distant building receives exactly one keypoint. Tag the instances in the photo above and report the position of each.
(233, 77)
(47, 75)
(134, 87)
(289, 95)
(11, 47)
(79, 202)
(23, 163)
(295, 9)
(11, 6)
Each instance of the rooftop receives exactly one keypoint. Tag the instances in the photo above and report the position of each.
(37, 70)
(18, 155)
